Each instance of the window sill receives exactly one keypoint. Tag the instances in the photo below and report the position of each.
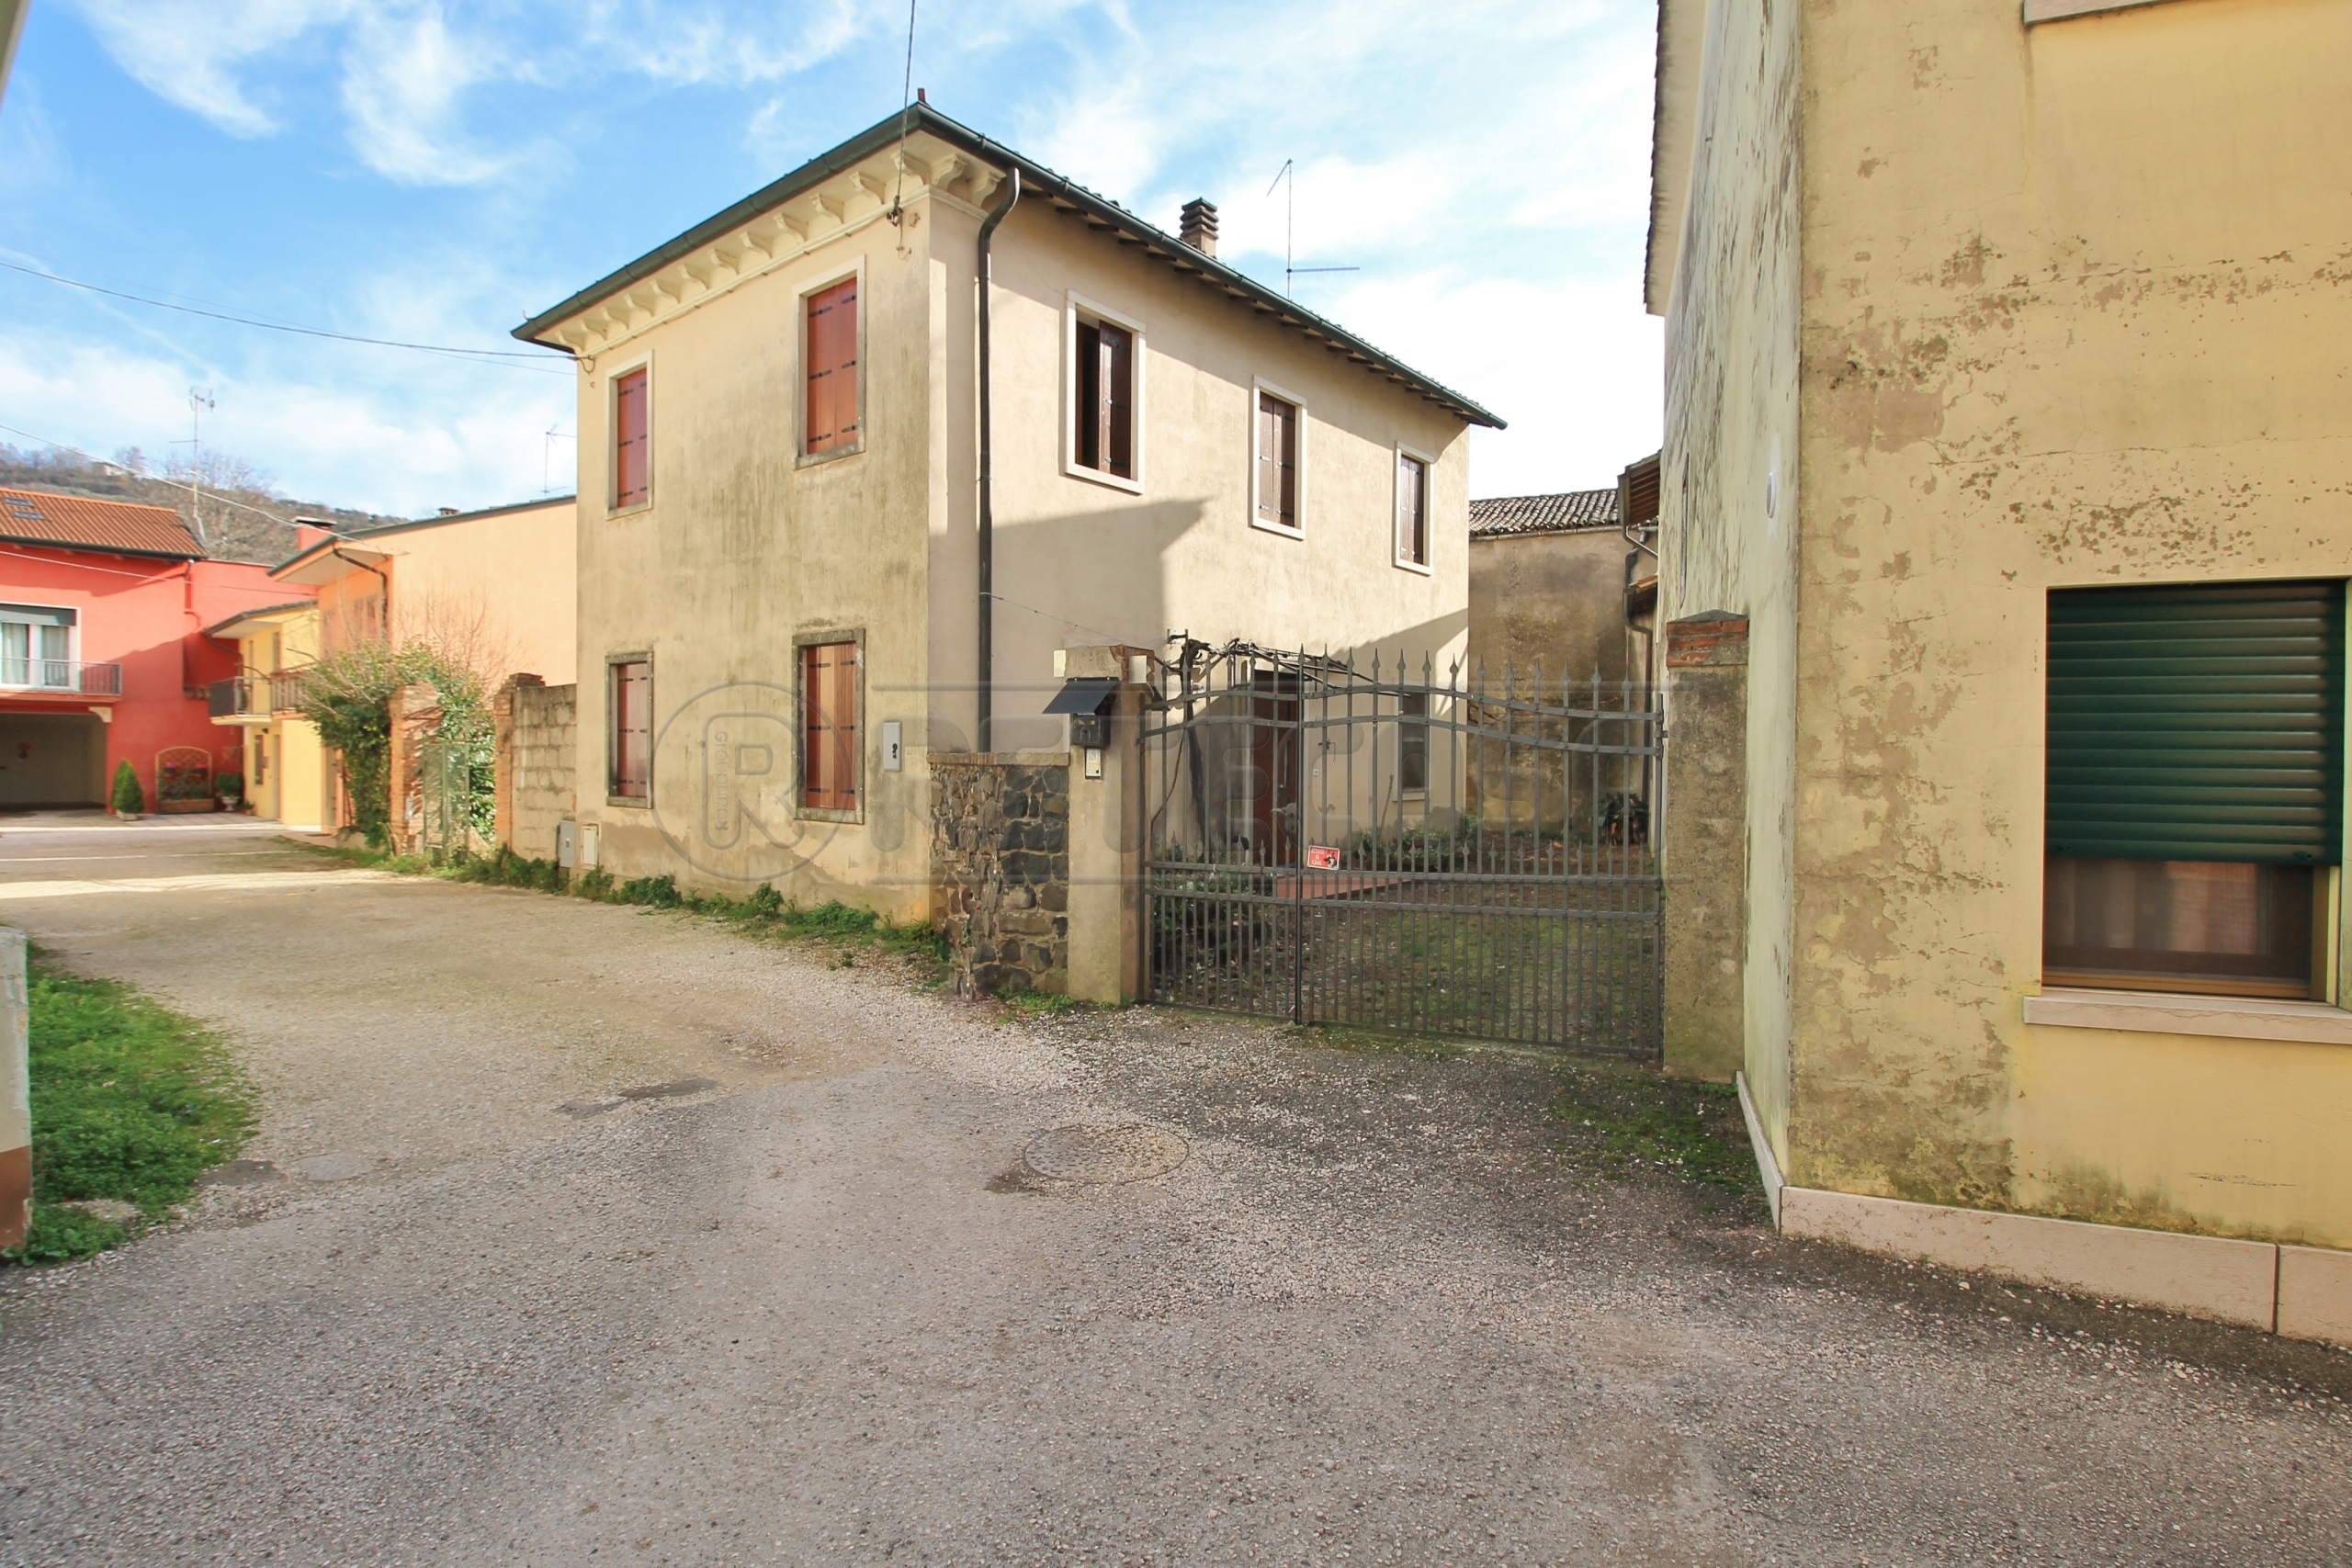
(613, 512)
(2058, 11)
(829, 814)
(2154, 1012)
(1277, 529)
(833, 454)
(1420, 567)
(1100, 477)
(636, 802)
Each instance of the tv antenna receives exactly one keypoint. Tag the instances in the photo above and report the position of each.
(197, 402)
(547, 459)
(1289, 172)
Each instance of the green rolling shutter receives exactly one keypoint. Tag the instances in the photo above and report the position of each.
(2198, 724)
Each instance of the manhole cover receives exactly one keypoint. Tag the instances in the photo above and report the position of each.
(1129, 1152)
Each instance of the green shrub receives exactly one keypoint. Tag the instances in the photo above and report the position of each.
(662, 892)
(229, 786)
(130, 1101)
(127, 797)
(594, 883)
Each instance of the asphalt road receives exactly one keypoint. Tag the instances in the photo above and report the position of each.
(813, 1302)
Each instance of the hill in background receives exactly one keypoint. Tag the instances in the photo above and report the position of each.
(236, 509)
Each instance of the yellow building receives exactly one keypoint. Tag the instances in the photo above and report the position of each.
(2004, 538)
(288, 778)
(496, 586)
(860, 454)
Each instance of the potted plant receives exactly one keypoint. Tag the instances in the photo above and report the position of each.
(129, 799)
(231, 788)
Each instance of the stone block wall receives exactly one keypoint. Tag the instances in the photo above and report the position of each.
(1001, 854)
(536, 733)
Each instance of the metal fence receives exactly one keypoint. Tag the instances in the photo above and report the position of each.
(1367, 844)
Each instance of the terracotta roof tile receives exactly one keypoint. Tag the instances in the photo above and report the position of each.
(1568, 513)
(37, 517)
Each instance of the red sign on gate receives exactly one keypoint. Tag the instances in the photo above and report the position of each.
(1321, 859)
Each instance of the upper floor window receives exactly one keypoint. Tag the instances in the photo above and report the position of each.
(1106, 397)
(36, 646)
(630, 739)
(1275, 482)
(829, 335)
(2193, 797)
(632, 441)
(1412, 510)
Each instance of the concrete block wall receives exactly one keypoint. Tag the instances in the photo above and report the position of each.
(536, 728)
(1001, 853)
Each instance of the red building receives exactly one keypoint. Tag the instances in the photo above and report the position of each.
(103, 656)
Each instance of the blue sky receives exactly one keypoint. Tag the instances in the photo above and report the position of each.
(438, 172)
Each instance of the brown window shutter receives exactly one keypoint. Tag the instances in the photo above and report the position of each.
(630, 470)
(632, 735)
(1412, 510)
(832, 336)
(828, 749)
(1118, 376)
(1277, 461)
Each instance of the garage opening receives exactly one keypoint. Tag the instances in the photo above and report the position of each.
(50, 760)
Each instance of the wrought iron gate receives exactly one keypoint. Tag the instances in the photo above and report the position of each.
(1383, 848)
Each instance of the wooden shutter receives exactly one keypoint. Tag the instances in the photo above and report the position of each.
(1412, 510)
(832, 337)
(1117, 351)
(632, 470)
(829, 747)
(2200, 722)
(632, 737)
(1277, 461)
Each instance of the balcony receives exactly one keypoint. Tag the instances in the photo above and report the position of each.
(253, 699)
(59, 678)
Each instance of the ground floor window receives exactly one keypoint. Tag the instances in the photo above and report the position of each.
(828, 710)
(630, 746)
(2194, 793)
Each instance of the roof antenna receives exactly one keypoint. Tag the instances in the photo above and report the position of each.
(906, 110)
(1290, 213)
(198, 401)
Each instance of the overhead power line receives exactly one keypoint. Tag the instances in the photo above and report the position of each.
(61, 446)
(540, 364)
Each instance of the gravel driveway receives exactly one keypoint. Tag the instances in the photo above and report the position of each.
(805, 1301)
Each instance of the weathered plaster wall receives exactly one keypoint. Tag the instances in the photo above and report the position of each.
(2075, 303)
(744, 548)
(1730, 438)
(1080, 562)
(1556, 599)
(537, 763)
(506, 581)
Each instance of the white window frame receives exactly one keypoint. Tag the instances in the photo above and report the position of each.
(1395, 505)
(1075, 307)
(613, 507)
(1258, 385)
(33, 658)
(802, 457)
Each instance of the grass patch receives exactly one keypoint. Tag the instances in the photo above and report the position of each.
(1038, 1004)
(130, 1101)
(1623, 1121)
(761, 912)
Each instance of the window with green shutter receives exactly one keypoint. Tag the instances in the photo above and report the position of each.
(2194, 793)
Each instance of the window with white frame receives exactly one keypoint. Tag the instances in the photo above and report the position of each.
(1277, 466)
(1412, 510)
(35, 646)
(1105, 425)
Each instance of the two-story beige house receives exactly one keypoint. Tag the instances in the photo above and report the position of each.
(2005, 535)
(860, 454)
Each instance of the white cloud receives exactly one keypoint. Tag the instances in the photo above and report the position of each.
(403, 76)
(477, 440)
(185, 51)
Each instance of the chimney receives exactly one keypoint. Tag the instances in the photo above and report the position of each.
(1199, 230)
(310, 531)
(923, 97)
(448, 511)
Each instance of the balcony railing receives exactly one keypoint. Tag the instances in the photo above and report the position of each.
(256, 696)
(64, 677)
